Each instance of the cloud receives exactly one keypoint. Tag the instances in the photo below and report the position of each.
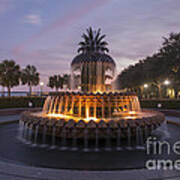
(63, 22)
(33, 19)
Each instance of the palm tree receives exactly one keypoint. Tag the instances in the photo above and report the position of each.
(66, 80)
(56, 82)
(9, 74)
(2, 91)
(93, 42)
(30, 76)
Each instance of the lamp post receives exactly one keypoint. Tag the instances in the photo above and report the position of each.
(3, 94)
(41, 87)
(166, 83)
(145, 87)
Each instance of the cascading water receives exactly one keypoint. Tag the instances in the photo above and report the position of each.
(53, 146)
(97, 140)
(74, 143)
(108, 140)
(118, 139)
(85, 140)
(36, 135)
(63, 139)
(129, 146)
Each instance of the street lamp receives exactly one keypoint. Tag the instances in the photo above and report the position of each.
(145, 85)
(79, 88)
(144, 91)
(166, 82)
(41, 87)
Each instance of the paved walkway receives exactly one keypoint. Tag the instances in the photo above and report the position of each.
(9, 171)
(173, 119)
(9, 118)
(16, 172)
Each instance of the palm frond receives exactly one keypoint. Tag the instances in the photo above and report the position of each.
(93, 42)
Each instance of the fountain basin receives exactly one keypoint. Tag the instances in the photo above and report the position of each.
(146, 120)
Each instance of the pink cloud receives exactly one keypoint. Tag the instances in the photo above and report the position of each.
(63, 22)
(6, 5)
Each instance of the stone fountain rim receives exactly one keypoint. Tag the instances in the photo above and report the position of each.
(155, 118)
(115, 93)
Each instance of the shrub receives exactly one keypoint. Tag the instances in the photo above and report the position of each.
(166, 104)
(21, 102)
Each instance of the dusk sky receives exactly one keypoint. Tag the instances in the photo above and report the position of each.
(45, 33)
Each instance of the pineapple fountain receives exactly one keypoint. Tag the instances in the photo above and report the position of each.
(92, 116)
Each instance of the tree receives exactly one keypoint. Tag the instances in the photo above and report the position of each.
(9, 74)
(93, 42)
(56, 81)
(171, 53)
(157, 71)
(30, 76)
(151, 70)
(154, 69)
(133, 78)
